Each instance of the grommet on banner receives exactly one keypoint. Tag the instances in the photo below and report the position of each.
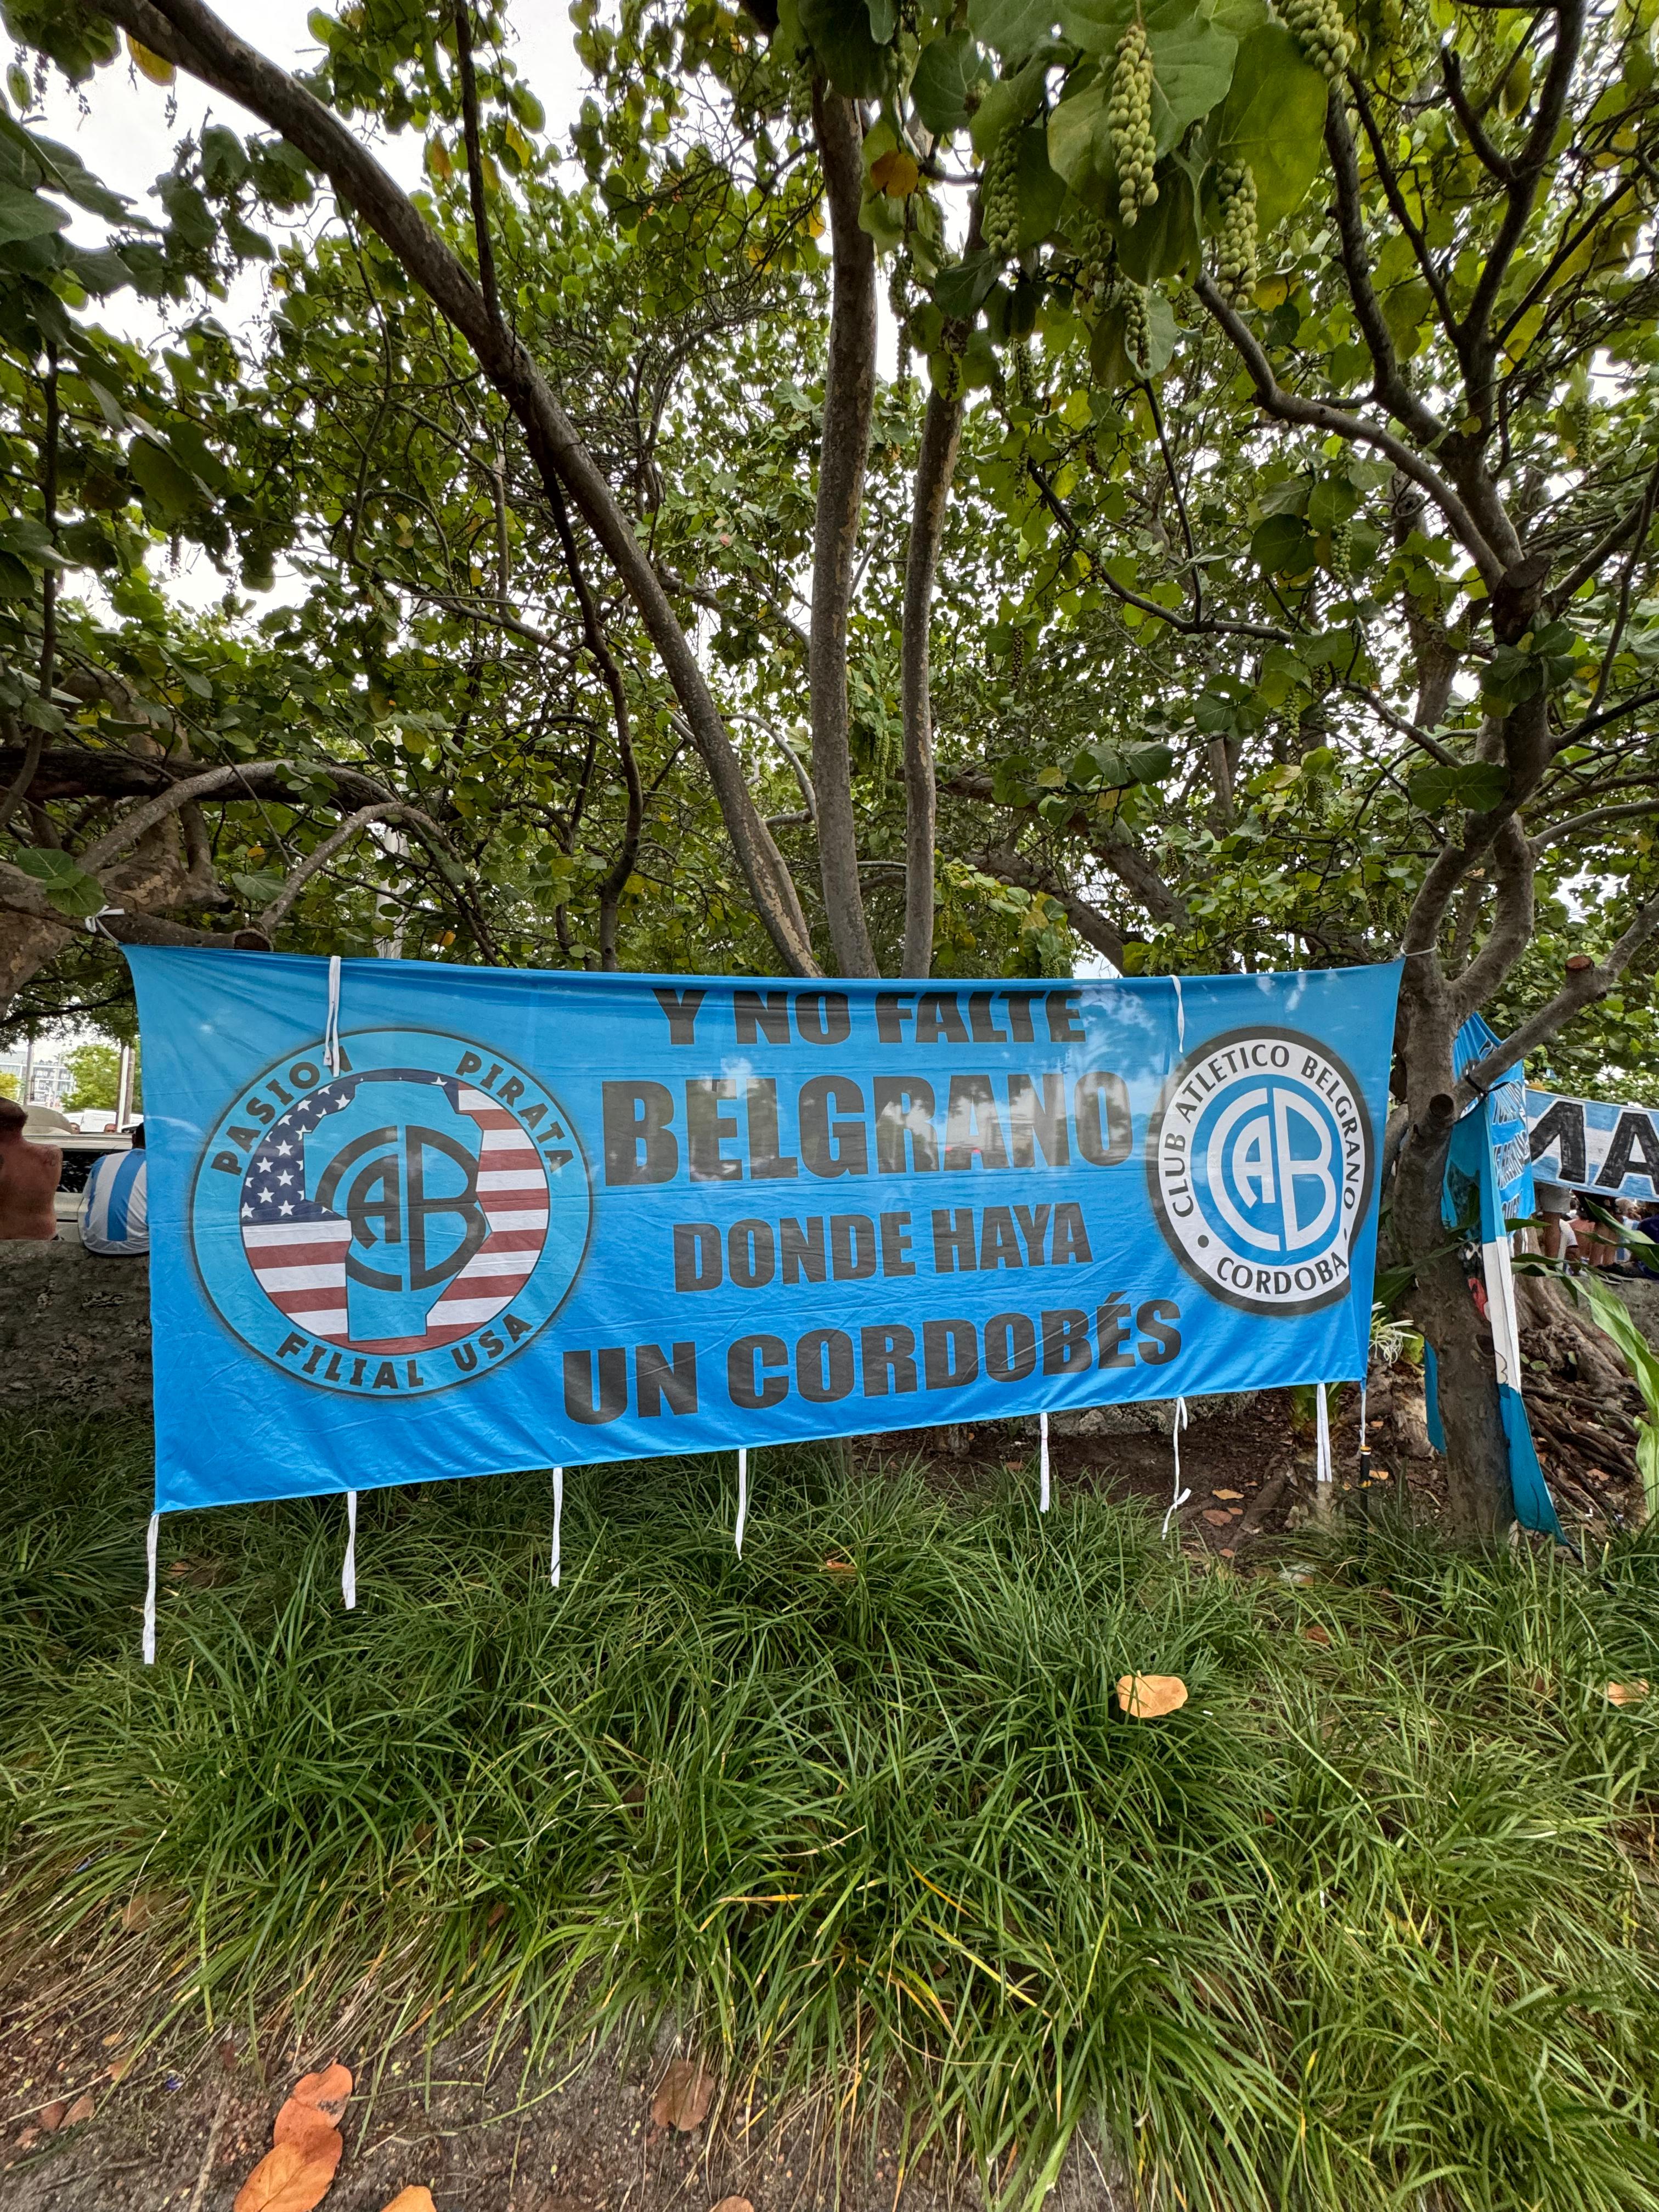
(150, 1535)
(331, 1030)
(743, 1495)
(348, 1571)
(1181, 1016)
(1180, 1497)
(558, 1517)
(1042, 1464)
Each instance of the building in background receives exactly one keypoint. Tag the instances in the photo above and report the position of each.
(41, 1071)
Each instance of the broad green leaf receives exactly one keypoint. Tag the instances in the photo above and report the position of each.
(1274, 118)
(168, 488)
(839, 32)
(1477, 785)
(1009, 101)
(962, 288)
(1041, 193)
(67, 885)
(1072, 132)
(1011, 28)
(1165, 242)
(26, 215)
(1282, 546)
(947, 71)
(1192, 65)
(883, 20)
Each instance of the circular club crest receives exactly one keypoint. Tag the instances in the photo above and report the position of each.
(399, 1227)
(1260, 1157)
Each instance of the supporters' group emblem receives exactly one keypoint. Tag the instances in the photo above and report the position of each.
(1259, 1158)
(405, 1223)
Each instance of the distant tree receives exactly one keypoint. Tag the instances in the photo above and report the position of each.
(9, 1086)
(94, 1076)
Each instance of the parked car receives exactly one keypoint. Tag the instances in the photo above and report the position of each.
(47, 1126)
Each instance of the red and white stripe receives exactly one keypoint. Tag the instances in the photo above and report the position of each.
(513, 1194)
(301, 1268)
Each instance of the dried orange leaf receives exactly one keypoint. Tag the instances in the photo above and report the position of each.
(1217, 1515)
(1315, 1634)
(839, 1567)
(79, 2111)
(1226, 1493)
(327, 2091)
(141, 1908)
(1626, 1693)
(734, 2205)
(52, 2116)
(303, 2124)
(684, 2099)
(411, 2200)
(293, 2177)
(1149, 1697)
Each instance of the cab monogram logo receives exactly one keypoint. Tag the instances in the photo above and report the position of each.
(399, 1227)
(1259, 1158)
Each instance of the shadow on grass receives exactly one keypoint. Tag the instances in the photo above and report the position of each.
(1369, 1922)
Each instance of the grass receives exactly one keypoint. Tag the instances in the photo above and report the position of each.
(1370, 1922)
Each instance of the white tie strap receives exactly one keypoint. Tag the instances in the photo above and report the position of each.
(150, 1535)
(558, 1519)
(332, 1029)
(1180, 1496)
(348, 1571)
(742, 1496)
(1042, 1463)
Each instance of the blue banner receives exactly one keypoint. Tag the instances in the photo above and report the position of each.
(1612, 1152)
(516, 1220)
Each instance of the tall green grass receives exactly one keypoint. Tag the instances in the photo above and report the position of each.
(1369, 1922)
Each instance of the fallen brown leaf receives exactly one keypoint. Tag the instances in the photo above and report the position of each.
(28, 2139)
(80, 2110)
(1217, 1516)
(292, 2178)
(141, 1908)
(411, 2200)
(734, 2205)
(839, 1567)
(52, 2116)
(1626, 1693)
(684, 2099)
(1226, 1493)
(327, 2090)
(303, 2124)
(1150, 1697)
(1315, 1634)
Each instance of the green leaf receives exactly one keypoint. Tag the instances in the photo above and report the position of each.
(1166, 240)
(947, 72)
(1274, 118)
(839, 34)
(1011, 28)
(168, 488)
(1072, 130)
(68, 886)
(1281, 545)
(1193, 55)
(1478, 785)
(1009, 101)
(962, 288)
(1041, 193)
(26, 215)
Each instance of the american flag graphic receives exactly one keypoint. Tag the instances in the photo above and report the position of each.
(298, 1249)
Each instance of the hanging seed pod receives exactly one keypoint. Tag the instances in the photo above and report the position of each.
(1129, 124)
(1322, 35)
(1001, 220)
(1236, 240)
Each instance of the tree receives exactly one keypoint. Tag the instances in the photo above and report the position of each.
(95, 1076)
(1262, 577)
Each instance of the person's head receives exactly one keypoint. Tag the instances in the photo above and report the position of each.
(138, 1136)
(13, 1119)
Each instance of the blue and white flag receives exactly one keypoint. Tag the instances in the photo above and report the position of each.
(1612, 1152)
(492, 1219)
(1489, 1182)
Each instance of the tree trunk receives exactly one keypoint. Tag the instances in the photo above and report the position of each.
(941, 434)
(849, 391)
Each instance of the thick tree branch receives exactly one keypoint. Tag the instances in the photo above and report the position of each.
(1091, 925)
(849, 389)
(1578, 824)
(319, 858)
(189, 34)
(1511, 924)
(1342, 423)
(1389, 385)
(1583, 987)
(941, 434)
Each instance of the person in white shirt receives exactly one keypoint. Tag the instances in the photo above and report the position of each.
(115, 1208)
